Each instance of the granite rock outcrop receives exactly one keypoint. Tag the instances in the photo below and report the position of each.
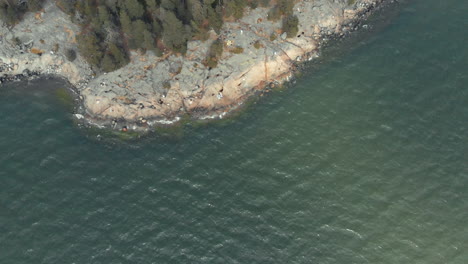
(153, 90)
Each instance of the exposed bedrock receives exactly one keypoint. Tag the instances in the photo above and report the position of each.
(161, 89)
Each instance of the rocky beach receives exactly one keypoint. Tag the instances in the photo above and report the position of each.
(153, 90)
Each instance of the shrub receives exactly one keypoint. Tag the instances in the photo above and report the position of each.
(17, 41)
(237, 50)
(11, 12)
(290, 25)
(273, 36)
(215, 52)
(70, 54)
(147, 25)
(264, 3)
(211, 62)
(274, 14)
(216, 48)
(253, 4)
(235, 8)
(286, 7)
(166, 85)
(257, 44)
(282, 8)
(56, 48)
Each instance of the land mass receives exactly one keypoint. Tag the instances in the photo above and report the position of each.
(159, 89)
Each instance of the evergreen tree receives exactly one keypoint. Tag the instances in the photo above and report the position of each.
(125, 22)
(174, 35)
(198, 11)
(89, 47)
(68, 6)
(134, 9)
(148, 41)
(119, 56)
(34, 5)
(151, 5)
(104, 16)
(112, 27)
(107, 63)
(139, 28)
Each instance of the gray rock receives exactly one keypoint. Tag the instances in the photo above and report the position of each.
(140, 92)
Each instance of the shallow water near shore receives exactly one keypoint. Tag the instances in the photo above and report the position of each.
(363, 160)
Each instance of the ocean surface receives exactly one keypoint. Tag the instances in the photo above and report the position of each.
(364, 159)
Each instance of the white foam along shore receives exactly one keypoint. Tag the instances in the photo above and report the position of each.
(137, 96)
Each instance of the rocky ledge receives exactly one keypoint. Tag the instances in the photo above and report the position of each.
(153, 90)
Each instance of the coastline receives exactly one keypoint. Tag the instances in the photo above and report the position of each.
(134, 96)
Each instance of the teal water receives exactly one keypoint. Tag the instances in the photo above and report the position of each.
(363, 160)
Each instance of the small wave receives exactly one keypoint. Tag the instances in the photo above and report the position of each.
(47, 160)
(342, 230)
(410, 243)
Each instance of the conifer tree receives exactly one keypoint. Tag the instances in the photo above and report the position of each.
(89, 47)
(125, 22)
(111, 28)
(104, 16)
(134, 8)
(174, 35)
(139, 28)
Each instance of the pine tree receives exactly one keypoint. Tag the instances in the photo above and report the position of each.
(134, 9)
(174, 36)
(104, 16)
(143, 23)
(89, 47)
(125, 22)
(148, 41)
(107, 63)
(120, 57)
(139, 28)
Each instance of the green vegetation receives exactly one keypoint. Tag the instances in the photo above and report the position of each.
(282, 8)
(264, 3)
(214, 53)
(290, 25)
(273, 37)
(12, 11)
(257, 44)
(274, 14)
(234, 8)
(166, 85)
(70, 54)
(65, 97)
(111, 28)
(56, 47)
(237, 50)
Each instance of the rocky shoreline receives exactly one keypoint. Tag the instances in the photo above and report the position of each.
(153, 91)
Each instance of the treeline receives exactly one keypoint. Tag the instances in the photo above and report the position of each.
(111, 28)
(11, 11)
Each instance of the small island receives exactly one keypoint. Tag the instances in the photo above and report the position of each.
(139, 64)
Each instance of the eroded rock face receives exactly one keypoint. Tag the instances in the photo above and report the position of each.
(163, 89)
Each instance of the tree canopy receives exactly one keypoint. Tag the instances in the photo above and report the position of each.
(12, 11)
(111, 28)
